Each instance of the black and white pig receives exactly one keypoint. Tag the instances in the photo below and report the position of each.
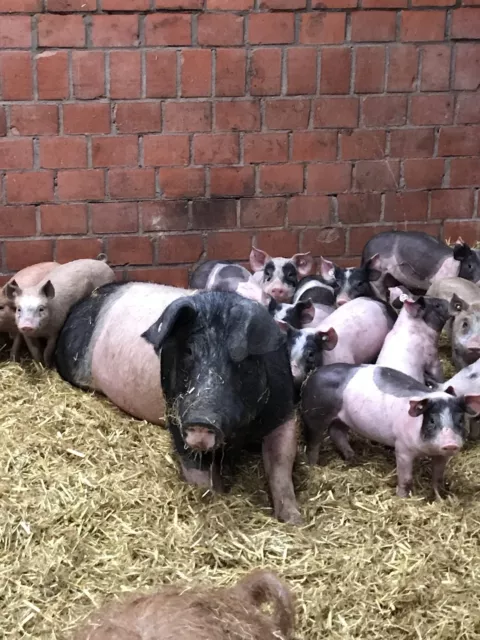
(219, 359)
(416, 259)
(215, 274)
(388, 407)
(313, 301)
(297, 315)
(349, 283)
(279, 277)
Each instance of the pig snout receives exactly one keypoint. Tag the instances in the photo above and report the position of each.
(448, 442)
(279, 291)
(342, 299)
(201, 437)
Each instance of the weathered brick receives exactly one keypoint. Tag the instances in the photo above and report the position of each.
(17, 221)
(61, 31)
(214, 214)
(125, 5)
(196, 74)
(328, 241)
(20, 6)
(67, 6)
(16, 153)
(16, 75)
(362, 145)
(373, 26)
(115, 30)
(131, 183)
(466, 23)
(83, 184)
(354, 208)
(309, 210)
(336, 112)
(452, 203)
(59, 219)
(166, 150)
(406, 205)
(66, 152)
(435, 67)
(165, 29)
(219, 29)
(34, 119)
(412, 143)
(178, 5)
(287, 114)
(15, 32)
(182, 183)
(29, 187)
(3, 122)
(125, 74)
(114, 217)
(114, 151)
(378, 111)
(384, 4)
(161, 72)
(88, 69)
(138, 117)
(68, 249)
(130, 250)
(282, 178)
(230, 72)
(265, 147)
(402, 68)
(164, 215)
(377, 175)
(322, 28)
(334, 177)
(359, 236)
(464, 172)
(469, 230)
(370, 69)
(420, 173)
(171, 276)
(242, 115)
(232, 181)
(187, 116)
(422, 25)
(467, 66)
(229, 5)
(265, 71)
(271, 28)
(233, 245)
(22, 253)
(216, 148)
(52, 75)
(314, 145)
(301, 70)
(431, 109)
(262, 212)
(170, 248)
(468, 108)
(335, 70)
(278, 5)
(93, 117)
(459, 141)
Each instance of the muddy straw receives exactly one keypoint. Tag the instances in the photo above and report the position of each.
(91, 505)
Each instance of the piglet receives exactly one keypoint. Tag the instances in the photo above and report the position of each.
(321, 295)
(465, 332)
(42, 309)
(388, 407)
(467, 382)
(279, 277)
(412, 344)
(28, 277)
(349, 283)
(199, 614)
(216, 275)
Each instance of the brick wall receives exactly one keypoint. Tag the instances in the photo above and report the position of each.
(164, 131)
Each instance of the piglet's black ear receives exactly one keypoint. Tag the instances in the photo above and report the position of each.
(461, 250)
(179, 312)
(11, 290)
(252, 332)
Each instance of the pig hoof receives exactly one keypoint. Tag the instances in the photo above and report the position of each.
(404, 492)
(290, 515)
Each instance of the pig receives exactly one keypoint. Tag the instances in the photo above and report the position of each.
(198, 613)
(467, 382)
(465, 331)
(416, 260)
(296, 315)
(42, 309)
(412, 344)
(215, 275)
(28, 277)
(446, 288)
(279, 277)
(350, 282)
(322, 296)
(214, 363)
(389, 407)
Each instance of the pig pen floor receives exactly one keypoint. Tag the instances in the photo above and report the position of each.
(91, 505)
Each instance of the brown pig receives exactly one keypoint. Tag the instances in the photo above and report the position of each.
(199, 614)
(28, 277)
(41, 309)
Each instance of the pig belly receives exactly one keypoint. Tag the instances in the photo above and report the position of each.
(401, 351)
(449, 269)
(360, 339)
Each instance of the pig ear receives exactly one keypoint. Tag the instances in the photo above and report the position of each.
(327, 269)
(306, 311)
(372, 267)
(258, 258)
(414, 307)
(417, 406)
(457, 305)
(48, 290)
(472, 404)
(179, 312)
(461, 250)
(282, 325)
(250, 333)
(11, 290)
(327, 339)
(304, 263)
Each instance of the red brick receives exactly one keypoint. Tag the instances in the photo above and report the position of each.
(262, 212)
(15, 32)
(88, 69)
(412, 143)
(130, 250)
(166, 150)
(164, 215)
(335, 177)
(177, 5)
(217, 148)
(433, 3)
(402, 68)
(61, 31)
(362, 145)
(424, 173)
(469, 230)
(322, 28)
(271, 28)
(69, 152)
(280, 243)
(329, 241)
(229, 5)
(384, 4)
(52, 74)
(314, 145)
(467, 66)
(78, 248)
(242, 115)
(131, 183)
(214, 214)
(138, 117)
(16, 75)
(380, 111)
(466, 23)
(84, 184)
(29, 187)
(459, 141)
(73, 5)
(182, 183)
(265, 71)
(125, 5)
(369, 69)
(422, 25)
(276, 5)
(34, 119)
(3, 122)
(21, 254)
(336, 112)
(168, 29)
(406, 206)
(309, 210)
(354, 208)
(336, 68)
(59, 219)
(196, 73)
(114, 217)
(230, 72)
(373, 26)
(359, 236)
(17, 221)
(173, 277)
(115, 30)
(115, 151)
(287, 114)
(219, 29)
(435, 67)
(265, 147)
(233, 245)
(20, 6)
(125, 74)
(468, 108)
(16, 154)
(301, 70)
(377, 175)
(93, 117)
(187, 116)
(161, 71)
(434, 109)
(232, 181)
(281, 178)
(464, 172)
(452, 203)
(187, 247)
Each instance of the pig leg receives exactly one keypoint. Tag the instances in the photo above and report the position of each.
(34, 348)
(474, 428)
(15, 350)
(49, 349)
(279, 451)
(434, 371)
(404, 473)
(338, 433)
(438, 471)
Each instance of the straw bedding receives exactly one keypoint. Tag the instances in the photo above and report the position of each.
(92, 507)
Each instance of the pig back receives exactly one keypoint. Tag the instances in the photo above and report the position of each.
(35, 273)
(464, 289)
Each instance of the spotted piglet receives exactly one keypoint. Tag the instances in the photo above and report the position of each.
(279, 277)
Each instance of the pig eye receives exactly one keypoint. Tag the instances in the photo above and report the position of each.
(19, 309)
(41, 309)
(2, 307)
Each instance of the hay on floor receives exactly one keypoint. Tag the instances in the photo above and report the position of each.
(92, 506)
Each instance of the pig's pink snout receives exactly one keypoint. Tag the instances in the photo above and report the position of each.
(200, 438)
(451, 447)
(279, 293)
(341, 301)
(26, 328)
